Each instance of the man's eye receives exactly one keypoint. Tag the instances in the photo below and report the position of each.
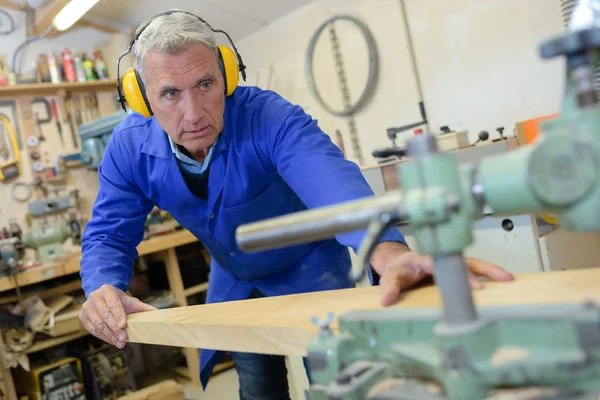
(206, 85)
(170, 94)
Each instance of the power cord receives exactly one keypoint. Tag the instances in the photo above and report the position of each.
(11, 23)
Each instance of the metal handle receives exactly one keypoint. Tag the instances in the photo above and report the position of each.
(318, 224)
(377, 228)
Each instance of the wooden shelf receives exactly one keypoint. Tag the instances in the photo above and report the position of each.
(71, 265)
(55, 341)
(52, 89)
(165, 242)
(196, 289)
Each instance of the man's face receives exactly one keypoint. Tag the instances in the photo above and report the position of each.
(186, 93)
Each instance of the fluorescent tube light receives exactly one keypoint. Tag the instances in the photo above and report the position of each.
(71, 13)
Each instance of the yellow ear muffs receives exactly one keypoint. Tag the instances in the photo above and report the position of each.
(230, 69)
(135, 93)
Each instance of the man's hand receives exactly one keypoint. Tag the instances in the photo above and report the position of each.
(104, 314)
(401, 268)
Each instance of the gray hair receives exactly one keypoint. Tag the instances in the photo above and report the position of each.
(171, 34)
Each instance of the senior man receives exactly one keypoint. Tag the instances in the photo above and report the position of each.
(215, 162)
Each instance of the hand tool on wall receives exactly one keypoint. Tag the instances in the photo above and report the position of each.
(58, 125)
(38, 129)
(39, 121)
(95, 106)
(462, 351)
(68, 117)
(11, 169)
(8, 108)
(4, 152)
(76, 107)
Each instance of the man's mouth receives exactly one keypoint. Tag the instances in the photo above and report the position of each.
(196, 132)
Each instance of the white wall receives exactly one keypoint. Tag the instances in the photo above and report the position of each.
(281, 47)
(477, 61)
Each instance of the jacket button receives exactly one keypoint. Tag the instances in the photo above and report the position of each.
(232, 254)
(212, 216)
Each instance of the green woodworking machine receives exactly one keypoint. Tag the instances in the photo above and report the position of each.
(462, 352)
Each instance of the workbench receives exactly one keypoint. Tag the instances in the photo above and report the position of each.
(161, 247)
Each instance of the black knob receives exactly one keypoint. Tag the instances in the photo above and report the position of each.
(571, 43)
(483, 135)
(507, 225)
(500, 131)
(389, 152)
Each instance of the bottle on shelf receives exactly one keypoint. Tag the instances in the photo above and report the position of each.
(69, 66)
(79, 71)
(88, 67)
(100, 67)
(53, 67)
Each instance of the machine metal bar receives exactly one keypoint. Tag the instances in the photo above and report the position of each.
(319, 224)
(453, 283)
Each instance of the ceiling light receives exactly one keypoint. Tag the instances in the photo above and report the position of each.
(71, 13)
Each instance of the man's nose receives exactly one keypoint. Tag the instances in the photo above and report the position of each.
(193, 108)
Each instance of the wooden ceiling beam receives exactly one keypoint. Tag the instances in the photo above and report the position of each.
(11, 5)
(99, 27)
(43, 21)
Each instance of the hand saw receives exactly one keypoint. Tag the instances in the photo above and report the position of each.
(12, 168)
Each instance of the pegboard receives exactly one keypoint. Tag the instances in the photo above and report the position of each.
(22, 113)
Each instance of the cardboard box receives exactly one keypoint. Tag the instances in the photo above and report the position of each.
(528, 131)
(168, 389)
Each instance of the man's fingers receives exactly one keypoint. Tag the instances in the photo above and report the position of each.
(485, 269)
(475, 283)
(390, 285)
(395, 279)
(115, 305)
(97, 327)
(108, 316)
(133, 305)
(424, 263)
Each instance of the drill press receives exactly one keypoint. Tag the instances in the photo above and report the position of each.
(464, 352)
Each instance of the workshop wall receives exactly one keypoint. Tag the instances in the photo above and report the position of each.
(477, 62)
(275, 56)
(77, 40)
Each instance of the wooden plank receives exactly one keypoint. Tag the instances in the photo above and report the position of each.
(168, 389)
(192, 355)
(282, 325)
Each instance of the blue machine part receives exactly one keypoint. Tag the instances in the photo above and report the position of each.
(95, 136)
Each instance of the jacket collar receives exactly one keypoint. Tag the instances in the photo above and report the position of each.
(156, 142)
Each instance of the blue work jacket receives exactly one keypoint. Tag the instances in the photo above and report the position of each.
(270, 159)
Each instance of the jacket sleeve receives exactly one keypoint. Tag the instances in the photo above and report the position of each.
(313, 166)
(110, 238)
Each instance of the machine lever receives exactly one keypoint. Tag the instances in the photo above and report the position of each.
(376, 229)
(389, 152)
(318, 224)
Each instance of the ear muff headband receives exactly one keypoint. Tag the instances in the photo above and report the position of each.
(131, 89)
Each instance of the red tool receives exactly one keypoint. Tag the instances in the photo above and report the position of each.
(58, 125)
